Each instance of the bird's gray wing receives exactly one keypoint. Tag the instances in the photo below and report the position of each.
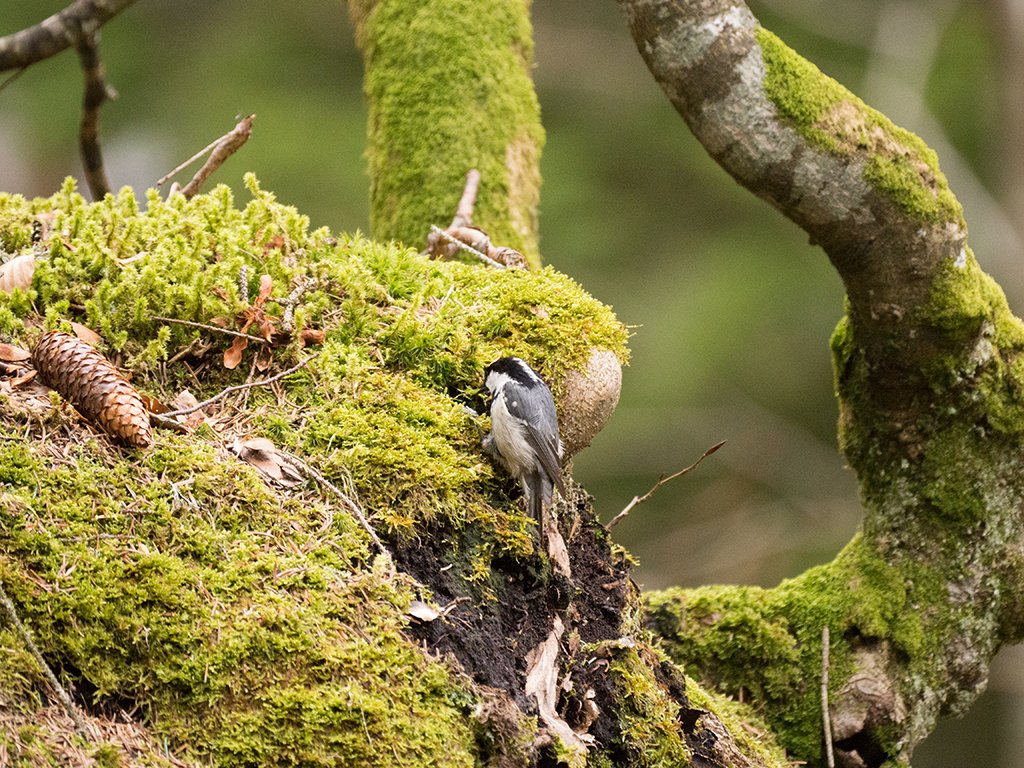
(534, 409)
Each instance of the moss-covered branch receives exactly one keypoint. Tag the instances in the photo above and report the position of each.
(448, 87)
(931, 390)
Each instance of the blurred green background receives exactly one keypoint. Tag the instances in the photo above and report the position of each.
(731, 308)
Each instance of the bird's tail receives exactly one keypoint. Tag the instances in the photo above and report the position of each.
(539, 490)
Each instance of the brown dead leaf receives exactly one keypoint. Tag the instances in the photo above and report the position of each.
(183, 401)
(266, 288)
(309, 337)
(273, 243)
(17, 273)
(266, 326)
(86, 334)
(12, 354)
(264, 359)
(233, 354)
(249, 317)
(274, 465)
(152, 404)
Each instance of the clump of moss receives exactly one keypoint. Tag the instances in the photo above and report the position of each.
(252, 624)
(751, 734)
(764, 646)
(898, 163)
(648, 716)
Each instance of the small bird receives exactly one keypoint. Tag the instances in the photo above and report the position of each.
(524, 430)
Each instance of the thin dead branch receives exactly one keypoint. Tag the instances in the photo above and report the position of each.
(60, 31)
(237, 388)
(210, 328)
(97, 92)
(220, 150)
(463, 246)
(461, 235)
(661, 481)
(26, 637)
(464, 211)
(354, 507)
(182, 166)
(826, 720)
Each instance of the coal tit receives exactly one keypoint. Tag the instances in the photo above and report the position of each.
(524, 430)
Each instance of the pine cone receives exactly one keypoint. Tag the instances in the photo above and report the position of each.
(89, 382)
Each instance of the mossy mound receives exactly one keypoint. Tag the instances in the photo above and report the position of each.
(248, 624)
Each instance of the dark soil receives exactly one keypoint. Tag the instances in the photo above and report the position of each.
(490, 638)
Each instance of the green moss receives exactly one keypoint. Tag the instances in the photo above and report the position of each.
(764, 646)
(424, 137)
(649, 721)
(250, 624)
(897, 162)
(742, 722)
(969, 308)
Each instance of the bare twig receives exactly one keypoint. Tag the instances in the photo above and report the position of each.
(826, 719)
(237, 388)
(97, 91)
(220, 151)
(353, 506)
(462, 235)
(211, 328)
(464, 247)
(60, 31)
(162, 421)
(464, 212)
(661, 481)
(26, 637)
(182, 166)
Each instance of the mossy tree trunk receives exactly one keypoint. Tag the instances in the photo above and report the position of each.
(449, 89)
(930, 379)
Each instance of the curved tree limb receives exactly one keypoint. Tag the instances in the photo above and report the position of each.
(76, 26)
(97, 91)
(64, 29)
(929, 366)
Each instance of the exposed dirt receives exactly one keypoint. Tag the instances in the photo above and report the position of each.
(490, 638)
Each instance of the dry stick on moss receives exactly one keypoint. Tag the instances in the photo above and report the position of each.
(97, 92)
(220, 151)
(237, 388)
(463, 218)
(65, 699)
(211, 328)
(661, 481)
(436, 230)
(354, 508)
(826, 719)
